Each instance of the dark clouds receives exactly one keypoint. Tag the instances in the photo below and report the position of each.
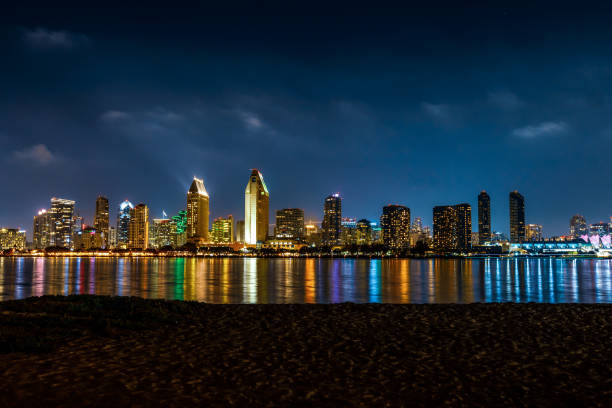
(423, 106)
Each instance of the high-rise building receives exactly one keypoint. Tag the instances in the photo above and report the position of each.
(578, 226)
(289, 224)
(332, 220)
(484, 217)
(61, 216)
(256, 213)
(240, 231)
(123, 223)
(312, 233)
(363, 232)
(112, 237)
(445, 228)
(533, 232)
(162, 232)
(138, 230)
(223, 230)
(11, 238)
(599, 228)
(41, 232)
(464, 226)
(395, 225)
(517, 217)
(417, 226)
(197, 212)
(90, 238)
(101, 219)
(348, 232)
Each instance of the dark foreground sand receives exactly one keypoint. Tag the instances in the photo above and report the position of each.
(102, 351)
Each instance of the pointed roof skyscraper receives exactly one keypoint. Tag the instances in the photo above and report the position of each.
(197, 212)
(256, 209)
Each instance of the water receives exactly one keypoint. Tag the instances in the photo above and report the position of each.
(287, 280)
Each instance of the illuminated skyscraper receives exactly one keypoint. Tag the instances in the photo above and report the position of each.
(112, 237)
(484, 217)
(123, 223)
(138, 229)
(463, 213)
(11, 238)
(578, 226)
(240, 231)
(289, 224)
(517, 217)
(533, 232)
(41, 232)
(101, 220)
(364, 232)
(445, 228)
(395, 225)
(223, 230)
(61, 216)
(197, 213)
(163, 231)
(331, 226)
(256, 214)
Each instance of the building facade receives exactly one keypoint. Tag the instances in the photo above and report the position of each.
(223, 230)
(533, 232)
(197, 212)
(445, 228)
(331, 226)
(578, 226)
(11, 238)
(138, 230)
(41, 231)
(256, 209)
(101, 220)
(240, 231)
(395, 225)
(123, 223)
(517, 217)
(363, 232)
(463, 213)
(484, 217)
(289, 224)
(61, 216)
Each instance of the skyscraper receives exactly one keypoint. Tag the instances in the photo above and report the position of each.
(578, 226)
(331, 227)
(163, 233)
(240, 231)
(463, 213)
(484, 217)
(290, 224)
(41, 232)
(533, 232)
(61, 216)
(11, 238)
(517, 217)
(445, 228)
(395, 224)
(223, 230)
(364, 232)
(123, 223)
(197, 212)
(101, 220)
(138, 229)
(256, 213)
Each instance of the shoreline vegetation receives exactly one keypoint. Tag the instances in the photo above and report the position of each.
(100, 350)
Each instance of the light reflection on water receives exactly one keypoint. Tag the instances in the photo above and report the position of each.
(299, 280)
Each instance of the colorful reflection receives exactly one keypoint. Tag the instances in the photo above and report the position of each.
(298, 280)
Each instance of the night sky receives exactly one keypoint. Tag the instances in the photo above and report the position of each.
(419, 107)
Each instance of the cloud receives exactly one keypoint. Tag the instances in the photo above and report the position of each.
(505, 100)
(250, 120)
(38, 154)
(439, 111)
(542, 129)
(114, 116)
(164, 115)
(43, 38)
(447, 116)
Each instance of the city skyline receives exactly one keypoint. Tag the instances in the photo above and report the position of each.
(399, 110)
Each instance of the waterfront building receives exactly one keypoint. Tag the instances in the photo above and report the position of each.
(395, 225)
(475, 238)
(533, 232)
(61, 216)
(348, 232)
(138, 230)
(41, 231)
(112, 237)
(599, 228)
(484, 217)
(90, 238)
(332, 220)
(163, 231)
(256, 209)
(578, 226)
(12, 238)
(223, 230)
(376, 233)
(289, 224)
(363, 232)
(197, 212)
(179, 223)
(464, 226)
(101, 219)
(445, 228)
(517, 217)
(123, 223)
(240, 231)
(417, 226)
(312, 233)
(77, 227)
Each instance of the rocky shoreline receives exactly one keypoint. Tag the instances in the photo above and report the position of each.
(101, 351)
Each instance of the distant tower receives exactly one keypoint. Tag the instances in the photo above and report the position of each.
(290, 224)
(197, 212)
(61, 217)
(138, 231)
(517, 217)
(256, 212)
(123, 223)
(223, 230)
(445, 228)
(463, 213)
(484, 217)
(395, 225)
(578, 226)
(42, 230)
(101, 220)
(332, 219)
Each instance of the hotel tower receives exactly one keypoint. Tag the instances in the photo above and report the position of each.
(197, 212)
(256, 217)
